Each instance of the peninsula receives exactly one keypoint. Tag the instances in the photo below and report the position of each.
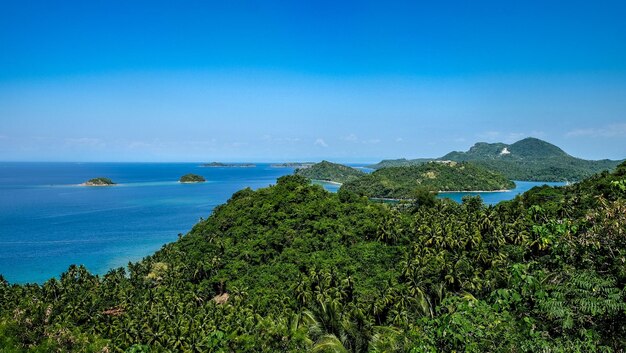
(403, 182)
(331, 172)
(292, 165)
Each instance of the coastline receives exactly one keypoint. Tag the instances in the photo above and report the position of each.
(327, 181)
(481, 191)
(439, 193)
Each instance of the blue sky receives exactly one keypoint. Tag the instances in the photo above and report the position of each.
(289, 80)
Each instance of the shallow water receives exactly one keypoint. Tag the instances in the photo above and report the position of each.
(492, 198)
(48, 221)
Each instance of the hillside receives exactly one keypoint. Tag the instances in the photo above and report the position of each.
(293, 268)
(328, 171)
(528, 159)
(402, 182)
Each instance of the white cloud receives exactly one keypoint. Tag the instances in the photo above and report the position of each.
(272, 139)
(321, 142)
(84, 142)
(351, 138)
(354, 139)
(613, 130)
(399, 139)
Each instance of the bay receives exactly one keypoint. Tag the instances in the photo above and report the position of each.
(493, 197)
(48, 221)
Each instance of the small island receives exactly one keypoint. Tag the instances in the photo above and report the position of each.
(100, 181)
(330, 172)
(228, 165)
(192, 178)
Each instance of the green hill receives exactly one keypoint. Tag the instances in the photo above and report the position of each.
(528, 159)
(293, 268)
(526, 149)
(328, 171)
(402, 182)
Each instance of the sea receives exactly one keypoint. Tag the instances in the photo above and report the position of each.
(48, 221)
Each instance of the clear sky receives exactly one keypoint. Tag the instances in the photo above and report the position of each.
(294, 80)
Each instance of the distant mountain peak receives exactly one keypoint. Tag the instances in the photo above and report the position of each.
(529, 147)
(532, 147)
(527, 159)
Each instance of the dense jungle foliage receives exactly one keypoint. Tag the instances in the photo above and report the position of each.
(328, 171)
(402, 182)
(293, 268)
(529, 159)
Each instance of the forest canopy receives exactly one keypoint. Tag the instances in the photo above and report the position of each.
(294, 268)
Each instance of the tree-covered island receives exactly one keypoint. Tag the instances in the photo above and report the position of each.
(100, 181)
(192, 178)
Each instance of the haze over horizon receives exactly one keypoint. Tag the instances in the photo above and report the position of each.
(281, 81)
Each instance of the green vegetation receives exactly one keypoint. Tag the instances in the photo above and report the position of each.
(192, 178)
(328, 171)
(528, 159)
(229, 165)
(402, 182)
(293, 268)
(292, 165)
(101, 181)
(401, 162)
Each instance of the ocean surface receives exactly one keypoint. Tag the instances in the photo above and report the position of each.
(48, 221)
(492, 198)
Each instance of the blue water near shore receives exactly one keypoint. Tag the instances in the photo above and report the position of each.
(48, 221)
(492, 198)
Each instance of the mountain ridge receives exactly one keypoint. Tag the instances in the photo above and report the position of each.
(530, 159)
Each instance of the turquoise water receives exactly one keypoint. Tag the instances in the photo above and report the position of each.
(48, 221)
(492, 198)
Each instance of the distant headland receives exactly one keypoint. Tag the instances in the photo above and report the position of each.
(228, 165)
(292, 165)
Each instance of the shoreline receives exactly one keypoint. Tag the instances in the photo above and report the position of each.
(327, 181)
(482, 191)
(439, 193)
